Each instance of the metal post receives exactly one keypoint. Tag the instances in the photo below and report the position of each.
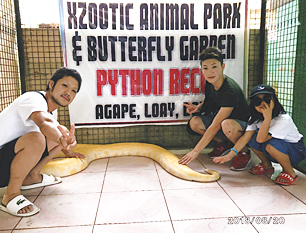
(20, 44)
(262, 42)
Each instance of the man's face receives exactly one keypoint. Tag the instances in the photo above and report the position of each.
(64, 91)
(212, 70)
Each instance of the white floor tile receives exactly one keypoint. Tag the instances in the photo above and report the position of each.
(8, 221)
(243, 178)
(200, 203)
(97, 166)
(298, 189)
(76, 184)
(75, 229)
(137, 180)
(283, 224)
(211, 226)
(138, 195)
(63, 210)
(263, 200)
(129, 207)
(151, 227)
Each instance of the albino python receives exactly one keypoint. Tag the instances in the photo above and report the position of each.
(69, 166)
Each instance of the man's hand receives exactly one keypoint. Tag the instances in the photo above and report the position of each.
(188, 158)
(73, 154)
(67, 139)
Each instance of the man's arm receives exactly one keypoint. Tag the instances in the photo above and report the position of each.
(53, 131)
(47, 125)
(73, 154)
(69, 153)
(209, 134)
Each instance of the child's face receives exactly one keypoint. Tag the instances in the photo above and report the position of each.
(262, 101)
(213, 71)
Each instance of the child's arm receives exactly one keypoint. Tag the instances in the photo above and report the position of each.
(209, 134)
(242, 141)
(263, 133)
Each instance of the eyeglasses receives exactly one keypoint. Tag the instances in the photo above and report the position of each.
(256, 101)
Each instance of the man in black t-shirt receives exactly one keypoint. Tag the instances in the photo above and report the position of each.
(223, 114)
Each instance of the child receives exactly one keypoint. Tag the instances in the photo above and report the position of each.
(272, 136)
(222, 115)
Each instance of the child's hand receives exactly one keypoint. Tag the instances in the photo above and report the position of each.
(225, 158)
(191, 108)
(188, 158)
(267, 109)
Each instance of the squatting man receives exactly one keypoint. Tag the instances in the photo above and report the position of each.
(31, 136)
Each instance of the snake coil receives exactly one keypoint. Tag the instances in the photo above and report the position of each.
(69, 166)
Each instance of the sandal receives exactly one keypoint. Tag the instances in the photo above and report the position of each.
(286, 176)
(46, 181)
(16, 204)
(261, 169)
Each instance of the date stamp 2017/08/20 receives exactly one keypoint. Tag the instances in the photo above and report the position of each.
(256, 220)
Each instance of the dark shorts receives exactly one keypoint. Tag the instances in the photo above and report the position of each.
(295, 151)
(7, 155)
(208, 119)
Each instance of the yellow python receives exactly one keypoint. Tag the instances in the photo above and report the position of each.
(69, 166)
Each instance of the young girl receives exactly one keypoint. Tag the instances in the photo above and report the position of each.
(272, 135)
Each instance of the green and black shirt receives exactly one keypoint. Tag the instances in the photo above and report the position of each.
(229, 95)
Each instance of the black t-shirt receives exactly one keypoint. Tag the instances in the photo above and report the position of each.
(229, 95)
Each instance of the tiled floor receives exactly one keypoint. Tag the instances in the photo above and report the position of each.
(135, 195)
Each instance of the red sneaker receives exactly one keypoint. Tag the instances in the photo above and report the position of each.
(219, 149)
(241, 161)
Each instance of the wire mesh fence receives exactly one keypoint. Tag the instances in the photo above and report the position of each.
(274, 38)
(285, 57)
(9, 68)
(281, 24)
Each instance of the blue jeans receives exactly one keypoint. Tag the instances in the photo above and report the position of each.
(295, 151)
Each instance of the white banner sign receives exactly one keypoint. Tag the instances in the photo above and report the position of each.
(139, 61)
